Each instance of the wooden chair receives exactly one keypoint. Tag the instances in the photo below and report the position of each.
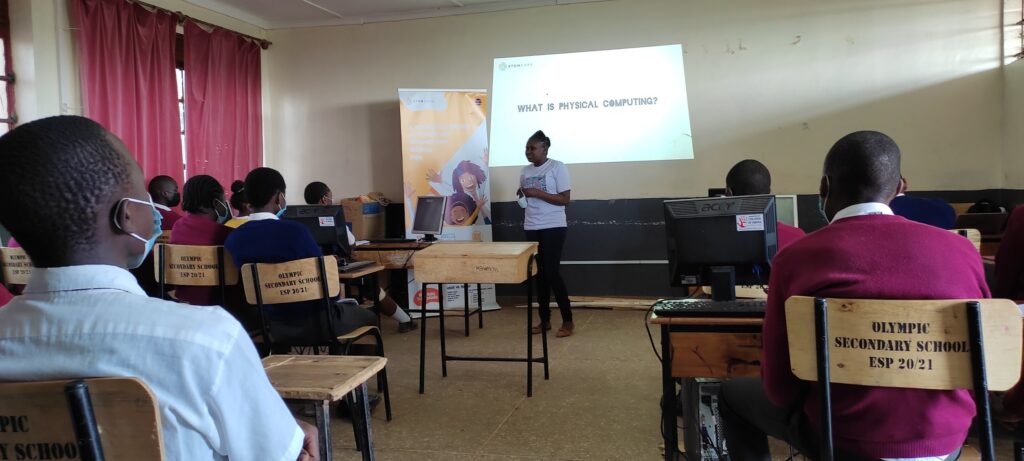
(979, 342)
(307, 280)
(974, 235)
(192, 265)
(15, 267)
(92, 419)
(165, 237)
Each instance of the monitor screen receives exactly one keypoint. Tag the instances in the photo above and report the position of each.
(785, 210)
(429, 217)
(327, 225)
(729, 232)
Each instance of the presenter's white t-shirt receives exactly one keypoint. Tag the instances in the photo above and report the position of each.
(551, 177)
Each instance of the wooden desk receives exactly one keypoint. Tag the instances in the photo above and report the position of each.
(371, 272)
(325, 379)
(702, 348)
(392, 256)
(478, 262)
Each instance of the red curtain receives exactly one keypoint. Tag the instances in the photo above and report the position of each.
(223, 104)
(126, 60)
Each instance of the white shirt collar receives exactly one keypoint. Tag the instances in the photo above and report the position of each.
(862, 209)
(84, 277)
(161, 207)
(261, 216)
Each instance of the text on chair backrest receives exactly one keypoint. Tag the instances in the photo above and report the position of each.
(16, 265)
(193, 265)
(292, 281)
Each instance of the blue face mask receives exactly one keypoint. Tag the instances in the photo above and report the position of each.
(135, 261)
(281, 211)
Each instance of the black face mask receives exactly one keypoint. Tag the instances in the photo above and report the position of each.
(175, 200)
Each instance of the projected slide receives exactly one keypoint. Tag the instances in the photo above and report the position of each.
(601, 106)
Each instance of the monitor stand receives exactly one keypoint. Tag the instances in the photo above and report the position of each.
(429, 238)
(723, 283)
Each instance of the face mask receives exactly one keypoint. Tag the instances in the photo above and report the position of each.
(135, 261)
(821, 208)
(221, 218)
(281, 211)
(522, 201)
(175, 200)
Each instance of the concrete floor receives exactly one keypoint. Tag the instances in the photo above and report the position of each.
(601, 402)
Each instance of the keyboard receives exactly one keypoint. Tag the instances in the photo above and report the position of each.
(353, 266)
(392, 240)
(709, 308)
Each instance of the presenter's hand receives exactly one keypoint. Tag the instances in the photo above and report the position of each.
(310, 442)
(533, 192)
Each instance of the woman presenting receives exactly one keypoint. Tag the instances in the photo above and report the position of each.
(544, 192)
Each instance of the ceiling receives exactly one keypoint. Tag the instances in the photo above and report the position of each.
(284, 14)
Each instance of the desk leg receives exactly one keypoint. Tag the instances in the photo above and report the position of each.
(323, 427)
(423, 330)
(361, 421)
(465, 304)
(440, 311)
(668, 399)
(374, 289)
(529, 333)
(480, 304)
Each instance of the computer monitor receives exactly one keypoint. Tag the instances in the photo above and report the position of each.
(717, 192)
(429, 218)
(786, 210)
(326, 223)
(721, 242)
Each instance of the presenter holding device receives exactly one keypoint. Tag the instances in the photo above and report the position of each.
(544, 192)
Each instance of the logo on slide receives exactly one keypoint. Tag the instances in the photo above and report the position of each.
(502, 66)
(505, 66)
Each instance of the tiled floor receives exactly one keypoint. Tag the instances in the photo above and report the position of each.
(601, 402)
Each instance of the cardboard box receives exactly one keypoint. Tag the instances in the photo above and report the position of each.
(365, 218)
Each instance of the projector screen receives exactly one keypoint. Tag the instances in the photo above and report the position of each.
(601, 106)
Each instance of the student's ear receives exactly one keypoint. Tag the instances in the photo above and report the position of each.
(728, 192)
(902, 188)
(823, 188)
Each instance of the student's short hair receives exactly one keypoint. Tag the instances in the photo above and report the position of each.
(199, 192)
(261, 185)
(749, 177)
(540, 136)
(863, 165)
(238, 194)
(157, 183)
(315, 191)
(56, 172)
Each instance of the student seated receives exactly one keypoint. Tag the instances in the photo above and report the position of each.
(240, 204)
(1010, 259)
(931, 211)
(83, 315)
(317, 193)
(750, 177)
(865, 252)
(164, 190)
(267, 239)
(206, 211)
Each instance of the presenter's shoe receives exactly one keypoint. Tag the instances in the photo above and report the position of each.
(565, 330)
(406, 327)
(545, 325)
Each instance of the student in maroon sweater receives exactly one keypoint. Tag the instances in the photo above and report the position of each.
(750, 177)
(865, 252)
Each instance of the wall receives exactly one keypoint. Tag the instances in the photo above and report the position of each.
(779, 83)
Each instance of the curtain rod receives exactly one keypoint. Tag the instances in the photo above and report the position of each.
(263, 43)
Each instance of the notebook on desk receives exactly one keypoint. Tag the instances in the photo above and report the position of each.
(708, 308)
(344, 266)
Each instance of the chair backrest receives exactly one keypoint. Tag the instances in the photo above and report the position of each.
(290, 282)
(194, 265)
(308, 279)
(917, 344)
(15, 265)
(165, 236)
(39, 419)
(912, 344)
(974, 235)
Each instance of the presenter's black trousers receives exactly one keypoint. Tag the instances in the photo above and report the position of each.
(549, 275)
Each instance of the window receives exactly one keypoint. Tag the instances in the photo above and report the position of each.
(7, 117)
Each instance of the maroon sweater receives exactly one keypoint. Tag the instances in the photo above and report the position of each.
(874, 257)
(787, 234)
